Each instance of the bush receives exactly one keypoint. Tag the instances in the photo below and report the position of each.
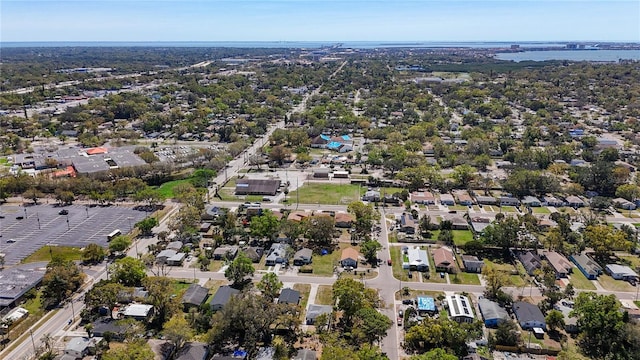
(306, 269)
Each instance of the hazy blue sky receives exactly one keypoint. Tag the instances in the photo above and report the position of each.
(319, 20)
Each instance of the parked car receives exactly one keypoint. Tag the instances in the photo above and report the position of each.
(11, 241)
(399, 321)
(407, 302)
(63, 212)
(389, 262)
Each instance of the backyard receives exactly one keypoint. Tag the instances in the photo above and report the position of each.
(579, 281)
(461, 237)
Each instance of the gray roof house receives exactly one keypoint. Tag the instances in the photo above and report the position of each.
(529, 316)
(621, 272)
(79, 347)
(303, 256)
(225, 252)
(492, 312)
(472, 263)
(194, 296)
(508, 201)
(222, 297)
(289, 296)
(277, 254)
(316, 310)
(531, 201)
(530, 261)
(587, 266)
(193, 351)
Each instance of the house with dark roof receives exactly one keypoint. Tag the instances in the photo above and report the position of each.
(194, 296)
(486, 200)
(587, 266)
(492, 313)
(529, 316)
(574, 201)
(508, 201)
(289, 296)
(472, 264)
(257, 187)
(530, 261)
(570, 322)
(193, 351)
(408, 224)
(443, 260)
(222, 297)
(344, 220)
(303, 256)
(254, 253)
(559, 263)
(107, 327)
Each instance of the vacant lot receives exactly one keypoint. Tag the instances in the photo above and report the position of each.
(46, 253)
(323, 265)
(515, 279)
(304, 290)
(579, 281)
(166, 189)
(324, 296)
(461, 237)
(319, 193)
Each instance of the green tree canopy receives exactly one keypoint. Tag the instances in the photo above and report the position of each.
(93, 253)
(270, 285)
(119, 243)
(265, 225)
(239, 269)
(135, 350)
(128, 271)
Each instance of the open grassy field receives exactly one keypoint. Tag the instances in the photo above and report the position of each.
(324, 296)
(321, 193)
(465, 278)
(516, 280)
(612, 284)
(461, 237)
(45, 253)
(166, 189)
(579, 281)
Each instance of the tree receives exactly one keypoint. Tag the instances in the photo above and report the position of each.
(104, 293)
(464, 174)
(64, 197)
(177, 331)
(135, 350)
(369, 325)
(435, 354)
(119, 243)
(270, 285)
(128, 271)
(630, 192)
(62, 278)
(149, 195)
(496, 280)
(604, 240)
(603, 332)
(146, 225)
(350, 296)
(554, 320)
(279, 153)
(161, 295)
(265, 225)
(319, 231)
(506, 334)
(33, 194)
(441, 333)
(239, 269)
(365, 216)
(93, 253)
(503, 233)
(370, 250)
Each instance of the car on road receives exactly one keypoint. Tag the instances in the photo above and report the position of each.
(400, 313)
(63, 212)
(399, 321)
(11, 241)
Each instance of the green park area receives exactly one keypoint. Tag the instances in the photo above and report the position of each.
(46, 253)
(166, 189)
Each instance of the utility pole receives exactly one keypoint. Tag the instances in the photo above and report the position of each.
(35, 352)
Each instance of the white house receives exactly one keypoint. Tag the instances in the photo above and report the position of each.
(460, 308)
(418, 260)
(621, 272)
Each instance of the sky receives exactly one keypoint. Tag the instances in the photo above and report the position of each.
(319, 20)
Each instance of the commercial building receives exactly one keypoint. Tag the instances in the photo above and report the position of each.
(257, 187)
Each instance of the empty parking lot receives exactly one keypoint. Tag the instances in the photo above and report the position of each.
(42, 224)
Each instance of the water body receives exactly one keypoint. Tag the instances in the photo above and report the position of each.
(282, 44)
(571, 55)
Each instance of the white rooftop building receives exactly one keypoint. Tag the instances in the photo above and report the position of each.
(460, 308)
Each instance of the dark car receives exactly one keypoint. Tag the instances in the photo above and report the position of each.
(407, 302)
(20, 217)
(63, 212)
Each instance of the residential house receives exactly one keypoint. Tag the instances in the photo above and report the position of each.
(254, 253)
(508, 201)
(371, 196)
(303, 256)
(79, 347)
(486, 200)
(621, 272)
(574, 201)
(316, 310)
(162, 349)
(570, 322)
(457, 222)
(204, 227)
(175, 245)
(550, 200)
(418, 260)
(140, 312)
(349, 258)
(164, 255)
(447, 199)
(492, 313)
(194, 296)
(426, 305)
(460, 308)
(289, 296)
(222, 297)
(228, 252)
(531, 201)
(443, 260)
(623, 204)
(344, 220)
(193, 351)
(422, 197)
(464, 198)
(277, 254)
(530, 261)
(529, 316)
(587, 266)
(559, 263)
(408, 224)
(321, 173)
(472, 264)
(478, 224)
(298, 215)
(107, 327)
(546, 224)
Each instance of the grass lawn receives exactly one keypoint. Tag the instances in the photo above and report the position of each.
(515, 279)
(396, 258)
(180, 286)
(568, 210)
(579, 281)
(457, 207)
(508, 209)
(214, 285)
(634, 261)
(465, 278)
(323, 264)
(45, 253)
(612, 284)
(324, 296)
(321, 193)
(4, 161)
(34, 306)
(228, 194)
(637, 303)
(461, 237)
(304, 290)
(541, 210)
(166, 189)
(216, 265)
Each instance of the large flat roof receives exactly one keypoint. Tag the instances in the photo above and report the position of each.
(16, 281)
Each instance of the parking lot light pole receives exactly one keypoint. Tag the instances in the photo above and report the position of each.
(68, 227)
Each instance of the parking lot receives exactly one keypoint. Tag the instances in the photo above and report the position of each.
(26, 229)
